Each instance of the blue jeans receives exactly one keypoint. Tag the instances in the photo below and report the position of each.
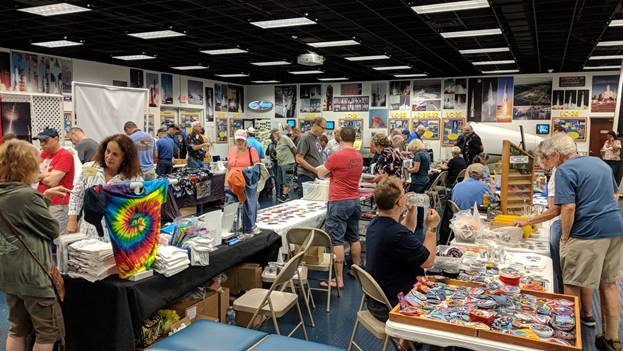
(194, 163)
(164, 167)
(342, 221)
(555, 231)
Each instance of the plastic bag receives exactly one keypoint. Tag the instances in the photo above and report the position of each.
(466, 225)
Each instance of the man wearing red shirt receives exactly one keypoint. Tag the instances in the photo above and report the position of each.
(343, 210)
(57, 168)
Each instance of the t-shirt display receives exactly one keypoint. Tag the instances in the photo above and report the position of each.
(145, 145)
(393, 256)
(588, 183)
(61, 160)
(284, 153)
(86, 149)
(346, 167)
(309, 146)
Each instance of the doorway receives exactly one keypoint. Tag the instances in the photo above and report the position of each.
(599, 130)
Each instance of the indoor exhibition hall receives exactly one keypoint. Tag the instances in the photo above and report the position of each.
(355, 175)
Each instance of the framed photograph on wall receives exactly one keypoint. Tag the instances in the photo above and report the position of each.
(452, 129)
(221, 130)
(305, 124)
(356, 124)
(432, 128)
(576, 128)
(399, 123)
(234, 125)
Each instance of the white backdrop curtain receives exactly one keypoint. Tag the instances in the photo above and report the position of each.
(101, 110)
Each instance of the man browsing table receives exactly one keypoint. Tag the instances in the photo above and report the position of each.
(309, 153)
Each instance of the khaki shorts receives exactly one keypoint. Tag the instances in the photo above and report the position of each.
(587, 263)
(44, 315)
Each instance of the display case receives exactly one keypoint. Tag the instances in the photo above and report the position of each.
(516, 191)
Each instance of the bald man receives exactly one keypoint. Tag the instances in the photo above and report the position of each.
(470, 144)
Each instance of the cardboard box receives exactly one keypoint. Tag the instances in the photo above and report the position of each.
(243, 318)
(193, 308)
(314, 255)
(223, 305)
(246, 276)
(218, 311)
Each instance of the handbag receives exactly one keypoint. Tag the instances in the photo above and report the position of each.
(54, 274)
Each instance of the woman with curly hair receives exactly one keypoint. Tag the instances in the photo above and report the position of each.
(389, 162)
(116, 161)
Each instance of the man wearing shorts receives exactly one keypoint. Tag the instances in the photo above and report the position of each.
(343, 210)
(592, 234)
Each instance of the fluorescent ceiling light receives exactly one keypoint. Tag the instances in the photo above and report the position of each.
(271, 63)
(329, 44)
(57, 43)
(224, 51)
(390, 68)
(616, 23)
(499, 62)
(134, 57)
(602, 67)
(483, 51)
(367, 58)
(264, 81)
(610, 43)
(188, 68)
(286, 22)
(408, 75)
(157, 34)
(451, 6)
(54, 9)
(501, 71)
(471, 33)
(232, 75)
(315, 71)
(606, 57)
(332, 79)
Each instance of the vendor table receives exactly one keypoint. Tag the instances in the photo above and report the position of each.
(103, 315)
(217, 193)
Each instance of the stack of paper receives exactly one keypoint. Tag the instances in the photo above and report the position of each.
(62, 244)
(90, 259)
(171, 260)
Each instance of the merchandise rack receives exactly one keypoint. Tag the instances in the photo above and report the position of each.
(517, 178)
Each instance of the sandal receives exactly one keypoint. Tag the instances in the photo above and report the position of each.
(325, 284)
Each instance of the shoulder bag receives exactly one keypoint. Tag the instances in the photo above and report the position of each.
(54, 274)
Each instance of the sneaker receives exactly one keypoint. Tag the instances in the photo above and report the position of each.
(283, 198)
(589, 321)
(600, 341)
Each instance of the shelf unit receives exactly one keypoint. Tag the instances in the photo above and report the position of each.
(517, 179)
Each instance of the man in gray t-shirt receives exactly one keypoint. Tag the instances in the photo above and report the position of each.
(309, 153)
(85, 147)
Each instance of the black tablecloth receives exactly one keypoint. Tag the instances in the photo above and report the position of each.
(102, 315)
(217, 193)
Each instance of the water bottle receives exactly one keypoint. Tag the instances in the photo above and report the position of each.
(231, 316)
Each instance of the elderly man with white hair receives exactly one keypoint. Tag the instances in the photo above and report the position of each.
(455, 165)
(334, 144)
(591, 244)
(197, 146)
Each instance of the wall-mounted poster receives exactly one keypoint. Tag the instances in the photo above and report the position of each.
(452, 129)
(327, 96)
(497, 99)
(426, 98)
(240, 97)
(474, 100)
(234, 125)
(305, 124)
(400, 95)
(532, 100)
(351, 103)
(454, 94)
(167, 88)
(220, 97)
(67, 74)
(378, 118)
(5, 71)
(397, 123)
(209, 104)
(149, 124)
(351, 88)
(167, 118)
(67, 122)
(16, 120)
(136, 78)
(187, 118)
(233, 105)
(285, 101)
(154, 88)
(310, 97)
(221, 131)
(572, 82)
(24, 72)
(574, 127)
(378, 94)
(356, 124)
(50, 75)
(570, 100)
(432, 128)
(195, 92)
(604, 93)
